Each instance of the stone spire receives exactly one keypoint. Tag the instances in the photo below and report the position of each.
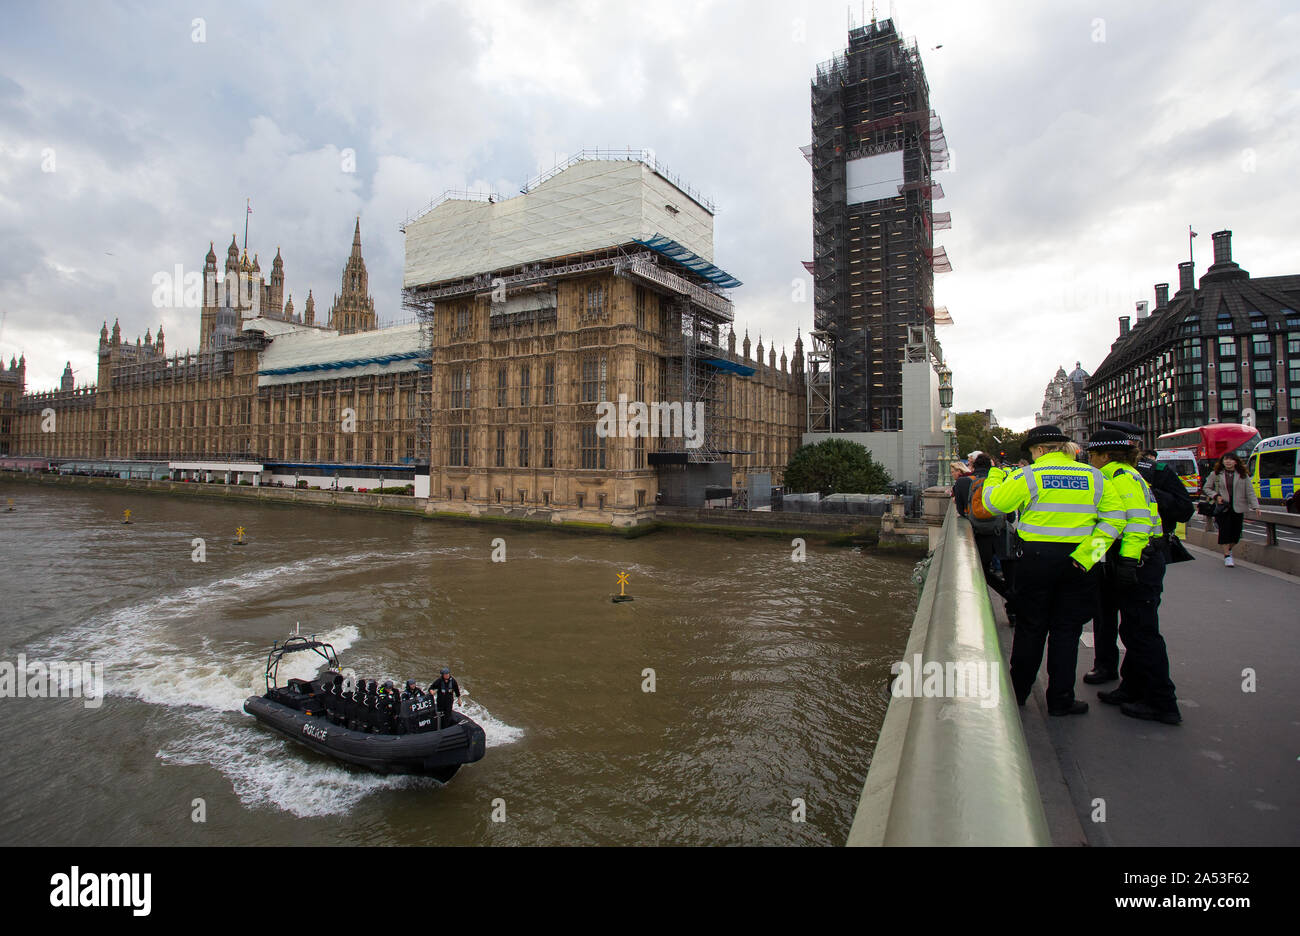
(158, 344)
(745, 344)
(309, 318)
(117, 333)
(277, 283)
(103, 333)
(784, 368)
(66, 382)
(354, 307)
(731, 339)
(232, 255)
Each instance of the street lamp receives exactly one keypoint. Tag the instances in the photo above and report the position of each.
(945, 403)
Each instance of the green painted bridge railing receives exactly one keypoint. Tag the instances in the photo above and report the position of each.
(951, 766)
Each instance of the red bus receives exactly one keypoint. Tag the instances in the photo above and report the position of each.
(1212, 442)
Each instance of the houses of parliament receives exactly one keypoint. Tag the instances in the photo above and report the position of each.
(477, 410)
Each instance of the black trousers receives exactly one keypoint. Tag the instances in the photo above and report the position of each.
(1105, 625)
(984, 542)
(1053, 600)
(1145, 672)
(445, 702)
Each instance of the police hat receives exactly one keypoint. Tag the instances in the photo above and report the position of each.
(1111, 440)
(1040, 435)
(1129, 429)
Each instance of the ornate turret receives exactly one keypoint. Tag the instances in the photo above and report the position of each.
(745, 344)
(309, 318)
(148, 338)
(784, 368)
(731, 340)
(232, 255)
(103, 334)
(796, 362)
(288, 308)
(66, 382)
(354, 307)
(277, 282)
(117, 333)
(158, 344)
(771, 357)
(759, 348)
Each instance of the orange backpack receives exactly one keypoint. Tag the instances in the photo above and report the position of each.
(977, 509)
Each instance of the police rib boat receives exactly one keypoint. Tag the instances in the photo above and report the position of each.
(358, 722)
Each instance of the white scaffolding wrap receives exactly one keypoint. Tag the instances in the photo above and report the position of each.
(591, 205)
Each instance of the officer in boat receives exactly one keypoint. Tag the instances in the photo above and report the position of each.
(445, 693)
(412, 691)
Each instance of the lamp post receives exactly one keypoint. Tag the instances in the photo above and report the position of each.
(945, 403)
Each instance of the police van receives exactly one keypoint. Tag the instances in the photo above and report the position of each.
(1183, 463)
(1272, 467)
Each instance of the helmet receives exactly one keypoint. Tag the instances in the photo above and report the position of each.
(444, 671)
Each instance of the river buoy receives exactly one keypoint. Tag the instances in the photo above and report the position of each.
(622, 590)
(126, 516)
(239, 537)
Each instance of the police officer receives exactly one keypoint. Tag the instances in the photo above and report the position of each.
(1068, 518)
(1175, 507)
(445, 693)
(1134, 581)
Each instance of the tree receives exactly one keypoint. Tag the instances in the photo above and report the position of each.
(836, 466)
(974, 433)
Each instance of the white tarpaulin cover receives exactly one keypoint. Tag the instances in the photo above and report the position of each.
(591, 205)
(873, 177)
(305, 356)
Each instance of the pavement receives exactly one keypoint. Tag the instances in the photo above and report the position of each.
(1230, 773)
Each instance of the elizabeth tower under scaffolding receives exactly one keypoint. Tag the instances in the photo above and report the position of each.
(875, 144)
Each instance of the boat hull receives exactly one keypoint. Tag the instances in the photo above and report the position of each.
(436, 754)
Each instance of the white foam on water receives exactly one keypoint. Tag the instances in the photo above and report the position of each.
(150, 653)
(268, 771)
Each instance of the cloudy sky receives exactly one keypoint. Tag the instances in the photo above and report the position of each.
(1086, 137)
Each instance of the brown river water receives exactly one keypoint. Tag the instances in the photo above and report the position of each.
(770, 676)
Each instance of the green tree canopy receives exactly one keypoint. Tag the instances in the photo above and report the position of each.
(836, 466)
(973, 433)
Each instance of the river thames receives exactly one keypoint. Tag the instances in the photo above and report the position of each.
(770, 676)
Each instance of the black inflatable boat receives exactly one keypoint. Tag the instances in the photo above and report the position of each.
(356, 724)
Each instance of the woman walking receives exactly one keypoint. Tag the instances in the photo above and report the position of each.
(1232, 494)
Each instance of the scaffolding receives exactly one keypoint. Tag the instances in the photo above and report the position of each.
(873, 261)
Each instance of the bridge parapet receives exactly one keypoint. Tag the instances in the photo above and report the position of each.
(951, 766)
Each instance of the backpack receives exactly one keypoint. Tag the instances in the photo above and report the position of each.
(983, 520)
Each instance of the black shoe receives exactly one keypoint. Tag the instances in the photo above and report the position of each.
(1075, 708)
(1147, 713)
(1116, 697)
(1095, 677)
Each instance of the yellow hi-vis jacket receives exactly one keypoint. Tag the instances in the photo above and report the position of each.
(1060, 501)
(1141, 514)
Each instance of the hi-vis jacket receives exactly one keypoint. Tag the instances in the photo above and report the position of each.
(1141, 515)
(1060, 501)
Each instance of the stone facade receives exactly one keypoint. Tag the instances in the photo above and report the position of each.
(1064, 404)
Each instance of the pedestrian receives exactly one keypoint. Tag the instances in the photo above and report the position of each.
(991, 534)
(1068, 518)
(445, 693)
(1233, 494)
(1131, 585)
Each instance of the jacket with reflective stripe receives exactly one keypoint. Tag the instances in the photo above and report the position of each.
(1141, 516)
(1060, 501)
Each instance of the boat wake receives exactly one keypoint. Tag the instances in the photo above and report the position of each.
(151, 653)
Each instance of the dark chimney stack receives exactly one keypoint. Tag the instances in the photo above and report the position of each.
(1185, 276)
(1162, 295)
(1123, 326)
(1222, 246)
